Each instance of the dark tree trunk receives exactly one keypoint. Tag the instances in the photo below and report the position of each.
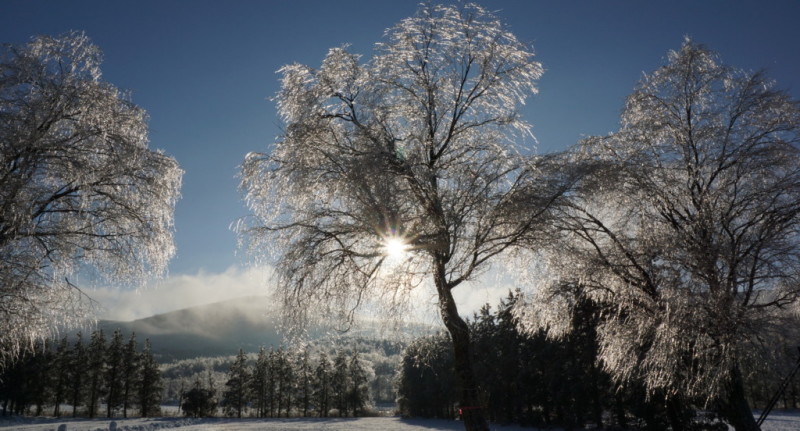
(597, 402)
(677, 413)
(734, 407)
(619, 410)
(471, 411)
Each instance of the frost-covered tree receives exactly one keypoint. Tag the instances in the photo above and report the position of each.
(401, 171)
(80, 191)
(687, 229)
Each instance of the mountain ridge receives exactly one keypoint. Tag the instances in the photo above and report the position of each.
(222, 328)
(215, 329)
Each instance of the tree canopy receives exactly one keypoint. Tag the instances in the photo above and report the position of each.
(420, 145)
(687, 229)
(80, 191)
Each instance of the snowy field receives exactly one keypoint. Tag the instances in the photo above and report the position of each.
(328, 424)
(778, 421)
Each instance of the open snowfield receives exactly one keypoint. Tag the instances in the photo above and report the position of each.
(782, 421)
(328, 424)
(778, 421)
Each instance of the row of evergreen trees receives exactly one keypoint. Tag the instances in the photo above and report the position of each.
(277, 383)
(113, 374)
(525, 378)
(533, 380)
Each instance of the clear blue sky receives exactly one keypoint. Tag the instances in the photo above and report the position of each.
(205, 70)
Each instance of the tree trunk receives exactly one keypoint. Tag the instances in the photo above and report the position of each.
(678, 415)
(734, 407)
(619, 410)
(471, 410)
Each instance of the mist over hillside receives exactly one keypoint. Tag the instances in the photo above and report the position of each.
(217, 329)
(222, 328)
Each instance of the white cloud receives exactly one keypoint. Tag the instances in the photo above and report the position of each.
(183, 291)
(470, 297)
(180, 291)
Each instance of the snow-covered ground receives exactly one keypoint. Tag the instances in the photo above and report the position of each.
(782, 421)
(329, 424)
(778, 421)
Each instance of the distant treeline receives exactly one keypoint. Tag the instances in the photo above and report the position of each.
(532, 380)
(277, 383)
(115, 375)
(380, 357)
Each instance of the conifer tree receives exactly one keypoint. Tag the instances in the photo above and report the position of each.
(60, 378)
(16, 385)
(38, 374)
(77, 373)
(200, 401)
(96, 371)
(150, 384)
(304, 383)
(340, 383)
(236, 395)
(427, 385)
(358, 392)
(211, 384)
(259, 383)
(322, 385)
(284, 378)
(131, 373)
(272, 371)
(114, 377)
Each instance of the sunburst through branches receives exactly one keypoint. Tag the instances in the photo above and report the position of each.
(395, 247)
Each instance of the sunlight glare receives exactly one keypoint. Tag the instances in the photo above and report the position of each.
(395, 247)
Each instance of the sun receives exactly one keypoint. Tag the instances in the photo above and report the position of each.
(395, 247)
